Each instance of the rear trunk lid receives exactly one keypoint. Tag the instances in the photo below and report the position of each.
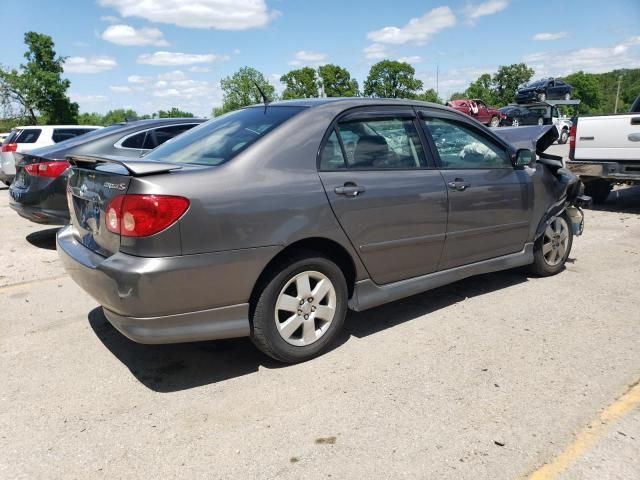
(93, 183)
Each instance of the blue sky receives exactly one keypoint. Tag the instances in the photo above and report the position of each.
(161, 53)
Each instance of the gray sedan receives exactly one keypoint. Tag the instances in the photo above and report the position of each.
(273, 220)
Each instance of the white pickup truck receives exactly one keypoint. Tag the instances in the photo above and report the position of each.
(605, 150)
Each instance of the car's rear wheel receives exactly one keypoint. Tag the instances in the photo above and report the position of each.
(552, 249)
(542, 97)
(541, 121)
(495, 121)
(515, 122)
(300, 308)
(564, 136)
(598, 190)
(567, 96)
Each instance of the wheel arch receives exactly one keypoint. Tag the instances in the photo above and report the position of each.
(324, 246)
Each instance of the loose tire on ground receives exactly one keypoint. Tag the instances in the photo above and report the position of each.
(598, 190)
(281, 329)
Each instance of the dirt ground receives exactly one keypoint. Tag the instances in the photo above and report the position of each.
(492, 377)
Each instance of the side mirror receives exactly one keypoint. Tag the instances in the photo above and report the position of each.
(525, 158)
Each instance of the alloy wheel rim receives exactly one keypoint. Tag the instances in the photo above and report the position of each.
(494, 122)
(305, 308)
(515, 122)
(555, 242)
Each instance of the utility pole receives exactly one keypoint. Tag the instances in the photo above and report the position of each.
(437, 74)
(615, 110)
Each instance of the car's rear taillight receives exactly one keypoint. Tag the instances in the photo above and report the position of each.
(143, 215)
(572, 140)
(47, 169)
(9, 147)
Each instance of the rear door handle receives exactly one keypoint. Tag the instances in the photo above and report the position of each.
(634, 137)
(459, 185)
(350, 190)
(635, 121)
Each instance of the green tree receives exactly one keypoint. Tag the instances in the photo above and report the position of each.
(392, 79)
(239, 90)
(429, 95)
(587, 89)
(300, 83)
(458, 96)
(507, 80)
(119, 115)
(482, 89)
(37, 88)
(174, 113)
(337, 82)
(90, 119)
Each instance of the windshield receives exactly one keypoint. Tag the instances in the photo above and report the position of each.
(219, 140)
(507, 110)
(540, 83)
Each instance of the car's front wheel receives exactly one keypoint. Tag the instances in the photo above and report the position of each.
(541, 121)
(542, 97)
(515, 122)
(495, 121)
(300, 308)
(552, 249)
(564, 136)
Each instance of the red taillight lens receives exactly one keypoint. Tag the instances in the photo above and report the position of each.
(47, 169)
(143, 215)
(10, 147)
(572, 140)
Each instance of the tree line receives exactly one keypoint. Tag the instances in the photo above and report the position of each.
(36, 92)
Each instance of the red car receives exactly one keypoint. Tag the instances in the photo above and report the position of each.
(478, 110)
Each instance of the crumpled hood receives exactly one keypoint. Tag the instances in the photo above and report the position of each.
(536, 137)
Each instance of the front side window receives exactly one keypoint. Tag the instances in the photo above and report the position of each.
(461, 147)
(222, 138)
(382, 144)
(28, 135)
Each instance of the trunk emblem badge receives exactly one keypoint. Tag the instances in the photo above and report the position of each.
(115, 186)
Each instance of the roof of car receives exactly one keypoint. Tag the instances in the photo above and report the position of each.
(22, 127)
(352, 102)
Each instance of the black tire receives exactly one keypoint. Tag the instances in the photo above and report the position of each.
(542, 97)
(495, 122)
(515, 122)
(567, 96)
(564, 136)
(541, 121)
(265, 334)
(598, 190)
(540, 266)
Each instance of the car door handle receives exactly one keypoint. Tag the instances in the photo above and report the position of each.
(459, 185)
(635, 121)
(634, 137)
(350, 190)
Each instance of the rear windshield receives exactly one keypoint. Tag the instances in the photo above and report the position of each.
(219, 140)
(28, 135)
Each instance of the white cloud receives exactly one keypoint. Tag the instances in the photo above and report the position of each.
(547, 36)
(120, 89)
(304, 57)
(128, 36)
(89, 65)
(454, 80)
(418, 30)
(165, 59)
(410, 59)
(110, 19)
(138, 79)
(376, 51)
(474, 12)
(172, 76)
(197, 69)
(625, 54)
(87, 99)
(218, 14)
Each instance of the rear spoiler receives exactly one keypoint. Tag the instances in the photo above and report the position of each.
(136, 168)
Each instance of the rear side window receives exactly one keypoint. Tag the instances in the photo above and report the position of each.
(382, 144)
(138, 141)
(331, 157)
(11, 137)
(28, 135)
(219, 140)
(62, 134)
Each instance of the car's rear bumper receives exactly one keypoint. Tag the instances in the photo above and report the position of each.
(169, 299)
(40, 215)
(621, 171)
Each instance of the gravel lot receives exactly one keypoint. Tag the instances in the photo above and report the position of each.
(488, 378)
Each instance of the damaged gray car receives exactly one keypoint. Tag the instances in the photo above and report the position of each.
(274, 220)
